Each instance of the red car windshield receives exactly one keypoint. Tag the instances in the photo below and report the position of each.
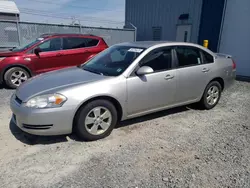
(26, 46)
(113, 61)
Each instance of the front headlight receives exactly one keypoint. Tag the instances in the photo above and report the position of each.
(2, 58)
(46, 101)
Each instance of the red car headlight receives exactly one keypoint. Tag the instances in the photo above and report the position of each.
(2, 58)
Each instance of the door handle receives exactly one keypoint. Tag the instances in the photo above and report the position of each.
(169, 77)
(205, 70)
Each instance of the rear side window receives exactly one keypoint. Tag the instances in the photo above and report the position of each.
(91, 42)
(78, 42)
(188, 56)
(207, 58)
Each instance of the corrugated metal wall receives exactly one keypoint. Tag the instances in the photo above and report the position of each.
(145, 14)
(235, 37)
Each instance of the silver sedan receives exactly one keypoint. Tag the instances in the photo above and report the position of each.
(125, 81)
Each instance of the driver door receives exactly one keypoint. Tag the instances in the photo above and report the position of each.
(153, 91)
(50, 58)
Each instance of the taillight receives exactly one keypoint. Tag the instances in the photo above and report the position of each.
(234, 65)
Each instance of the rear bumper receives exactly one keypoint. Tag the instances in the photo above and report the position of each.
(230, 79)
(44, 122)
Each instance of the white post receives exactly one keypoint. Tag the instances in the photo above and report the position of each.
(135, 30)
(18, 30)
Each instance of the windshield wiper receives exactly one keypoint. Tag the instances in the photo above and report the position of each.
(96, 72)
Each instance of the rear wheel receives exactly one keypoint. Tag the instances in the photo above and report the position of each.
(211, 95)
(15, 76)
(95, 120)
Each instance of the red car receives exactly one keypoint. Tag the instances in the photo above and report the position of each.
(47, 53)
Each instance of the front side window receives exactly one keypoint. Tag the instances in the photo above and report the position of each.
(188, 56)
(78, 42)
(113, 61)
(54, 44)
(159, 60)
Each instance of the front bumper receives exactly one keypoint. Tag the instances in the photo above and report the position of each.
(44, 122)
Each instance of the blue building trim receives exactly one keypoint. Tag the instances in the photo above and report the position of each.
(210, 23)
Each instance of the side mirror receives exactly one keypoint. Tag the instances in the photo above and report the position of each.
(144, 70)
(37, 51)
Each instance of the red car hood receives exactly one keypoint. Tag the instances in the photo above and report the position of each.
(8, 53)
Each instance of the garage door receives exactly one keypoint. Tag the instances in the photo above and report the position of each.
(235, 36)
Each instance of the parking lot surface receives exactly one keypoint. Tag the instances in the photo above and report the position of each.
(182, 147)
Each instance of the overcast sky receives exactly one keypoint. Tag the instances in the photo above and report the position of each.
(105, 13)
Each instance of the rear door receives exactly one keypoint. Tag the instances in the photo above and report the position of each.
(193, 72)
(50, 57)
(77, 50)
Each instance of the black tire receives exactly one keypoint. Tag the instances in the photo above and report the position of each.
(204, 102)
(79, 123)
(8, 76)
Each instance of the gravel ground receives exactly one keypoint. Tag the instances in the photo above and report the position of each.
(183, 147)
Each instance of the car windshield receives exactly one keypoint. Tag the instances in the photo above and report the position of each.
(26, 46)
(113, 61)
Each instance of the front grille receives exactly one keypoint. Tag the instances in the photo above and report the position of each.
(19, 101)
(37, 127)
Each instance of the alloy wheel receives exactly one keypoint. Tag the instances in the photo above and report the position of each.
(212, 95)
(98, 120)
(18, 77)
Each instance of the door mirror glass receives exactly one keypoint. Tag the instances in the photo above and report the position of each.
(37, 51)
(144, 70)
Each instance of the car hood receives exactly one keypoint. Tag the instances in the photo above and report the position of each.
(53, 81)
(8, 53)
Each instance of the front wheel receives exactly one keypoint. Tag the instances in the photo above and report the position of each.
(95, 120)
(211, 95)
(15, 76)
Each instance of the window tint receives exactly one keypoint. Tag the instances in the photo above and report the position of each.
(91, 42)
(51, 45)
(207, 58)
(78, 42)
(159, 60)
(188, 56)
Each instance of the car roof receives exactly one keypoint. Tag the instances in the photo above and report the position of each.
(148, 44)
(46, 35)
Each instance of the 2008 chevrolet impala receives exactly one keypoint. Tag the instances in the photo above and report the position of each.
(125, 81)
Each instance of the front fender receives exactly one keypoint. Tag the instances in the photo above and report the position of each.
(13, 65)
(112, 87)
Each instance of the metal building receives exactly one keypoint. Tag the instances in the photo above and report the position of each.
(9, 11)
(223, 22)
